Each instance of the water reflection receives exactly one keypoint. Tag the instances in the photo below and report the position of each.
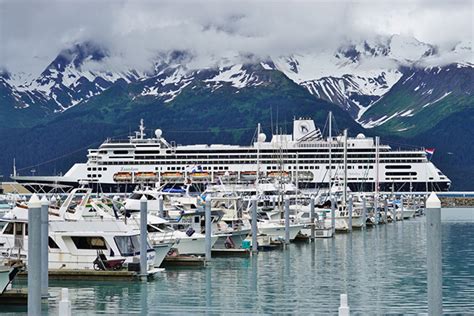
(383, 270)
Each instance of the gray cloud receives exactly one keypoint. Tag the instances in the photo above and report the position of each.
(33, 32)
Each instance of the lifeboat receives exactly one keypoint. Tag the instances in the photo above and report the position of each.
(123, 177)
(146, 176)
(200, 175)
(278, 174)
(171, 175)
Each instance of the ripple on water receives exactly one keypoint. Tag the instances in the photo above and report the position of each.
(382, 269)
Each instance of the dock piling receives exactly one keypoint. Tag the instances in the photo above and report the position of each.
(376, 209)
(161, 212)
(208, 228)
(364, 212)
(385, 211)
(401, 207)
(254, 226)
(311, 216)
(434, 262)
(34, 256)
(64, 303)
(287, 221)
(344, 307)
(350, 209)
(44, 246)
(143, 237)
(333, 215)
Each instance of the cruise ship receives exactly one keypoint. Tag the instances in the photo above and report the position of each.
(305, 156)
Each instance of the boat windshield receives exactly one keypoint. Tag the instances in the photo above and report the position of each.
(129, 245)
(136, 196)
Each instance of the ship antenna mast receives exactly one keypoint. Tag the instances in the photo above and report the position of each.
(142, 129)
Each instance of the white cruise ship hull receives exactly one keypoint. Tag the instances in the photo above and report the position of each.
(122, 165)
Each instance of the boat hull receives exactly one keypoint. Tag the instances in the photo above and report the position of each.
(161, 250)
(231, 240)
(277, 232)
(194, 245)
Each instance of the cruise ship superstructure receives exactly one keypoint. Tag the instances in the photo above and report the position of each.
(303, 156)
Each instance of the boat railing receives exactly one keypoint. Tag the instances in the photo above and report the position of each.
(165, 237)
(10, 249)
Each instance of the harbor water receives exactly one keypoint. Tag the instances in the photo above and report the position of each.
(383, 271)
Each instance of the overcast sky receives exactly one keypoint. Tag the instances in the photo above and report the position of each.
(33, 32)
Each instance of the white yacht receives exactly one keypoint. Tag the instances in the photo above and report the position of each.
(73, 244)
(306, 155)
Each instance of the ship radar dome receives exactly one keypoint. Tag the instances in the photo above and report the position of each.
(262, 137)
(360, 136)
(158, 133)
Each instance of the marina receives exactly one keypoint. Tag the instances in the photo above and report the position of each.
(247, 158)
(240, 227)
(304, 278)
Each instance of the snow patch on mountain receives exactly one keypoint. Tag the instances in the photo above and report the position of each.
(236, 75)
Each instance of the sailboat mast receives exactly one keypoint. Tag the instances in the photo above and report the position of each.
(330, 152)
(345, 166)
(377, 141)
(258, 156)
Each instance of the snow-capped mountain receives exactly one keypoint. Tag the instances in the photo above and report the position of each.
(358, 74)
(69, 79)
(426, 92)
(357, 77)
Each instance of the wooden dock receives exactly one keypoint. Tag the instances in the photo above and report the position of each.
(14, 297)
(65, 274)
(231, 252)
(184, 261)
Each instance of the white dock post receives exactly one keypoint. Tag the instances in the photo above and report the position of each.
(351, 205)
(376, 209)
(273, 202)
(385, 211)
(161, 212)
(143, 237)
(364, 212)
(344, 308)
(254, 225)
(333, 215)
(34, 256)
(44, 246)
(208, 228)
(64, 304)
(311, 216)
(401, 207)
(434, 262)
(287, 221)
